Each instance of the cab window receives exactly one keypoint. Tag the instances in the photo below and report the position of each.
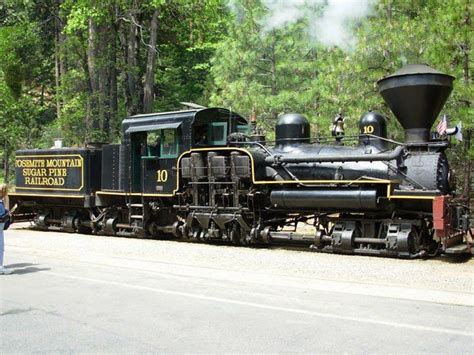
(201, 134)
(217, 133)
(169, 143)
(153, 139)
(243, 128)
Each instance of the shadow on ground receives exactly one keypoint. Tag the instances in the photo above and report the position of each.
(25, 268)
(16, 311)
(12, 266)
(29, 270)
(455, 259)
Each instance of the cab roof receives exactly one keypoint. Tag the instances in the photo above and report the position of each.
(173, 119)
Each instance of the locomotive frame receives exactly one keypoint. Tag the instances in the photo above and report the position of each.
(198, 174)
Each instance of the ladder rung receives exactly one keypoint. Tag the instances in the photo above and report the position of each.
(136, 216)
(136, 205)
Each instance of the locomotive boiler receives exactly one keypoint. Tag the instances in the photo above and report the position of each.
(200, 175)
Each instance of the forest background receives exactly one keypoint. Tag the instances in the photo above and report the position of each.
(76, 68)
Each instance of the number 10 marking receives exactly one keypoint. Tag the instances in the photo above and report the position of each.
(368, 129)
(161, 176)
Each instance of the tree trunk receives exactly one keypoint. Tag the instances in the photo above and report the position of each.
(42, 95)
(113, 92)
(132, 78)
(103, 73)
(466, 193)
(113, 74)
(273, 72)
(148, 89)
(56, 74)
(104, 98)
(61, 20)
(59, 60)
(465, 46)
(93, 76)
(6, 167)
(123, 47)
(388, 12)
(62, 51)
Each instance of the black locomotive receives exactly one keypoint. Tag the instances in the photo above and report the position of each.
(200, 174)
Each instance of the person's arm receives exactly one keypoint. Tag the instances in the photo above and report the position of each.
(4, 214)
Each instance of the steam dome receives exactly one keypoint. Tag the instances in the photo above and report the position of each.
(292, 128)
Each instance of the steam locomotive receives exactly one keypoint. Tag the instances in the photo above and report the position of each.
(200, 174)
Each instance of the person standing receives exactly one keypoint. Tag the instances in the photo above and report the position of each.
(3, 214)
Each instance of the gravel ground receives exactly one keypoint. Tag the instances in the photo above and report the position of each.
(439, 274)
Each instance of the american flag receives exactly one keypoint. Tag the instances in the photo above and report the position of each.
(442, 125)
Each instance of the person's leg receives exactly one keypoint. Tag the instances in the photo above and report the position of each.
(3, 269)
(2, 244)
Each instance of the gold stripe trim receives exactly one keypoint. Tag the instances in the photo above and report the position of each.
(111, 193)
(117, 193)
(412, 197)
(407, 197)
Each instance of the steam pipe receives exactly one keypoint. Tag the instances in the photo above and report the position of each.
(280, 159)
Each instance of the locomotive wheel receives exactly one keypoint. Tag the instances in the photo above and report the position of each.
(178, 229)
(153, 230)
(204, 235)
(81, 226)
(245, 237)
(196, 233)
(235, 234)
(413, 242)
(226, 233)
(41, 220)
(185, 231)
(69, 223)
(214, 233)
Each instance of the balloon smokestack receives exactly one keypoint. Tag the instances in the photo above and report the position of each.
(416, 94)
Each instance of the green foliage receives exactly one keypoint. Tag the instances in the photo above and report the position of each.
(18, 122)
(320, 81)
(268, 72)
(195, 29)
(18, 53)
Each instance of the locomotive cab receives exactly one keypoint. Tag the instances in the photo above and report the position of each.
(153, 143)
